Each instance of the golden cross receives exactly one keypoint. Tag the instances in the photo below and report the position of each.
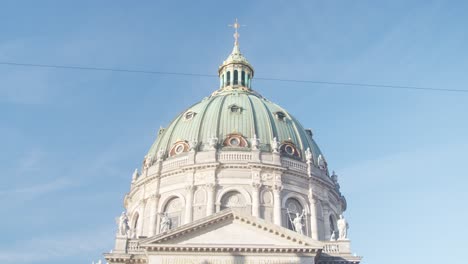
(236, 35)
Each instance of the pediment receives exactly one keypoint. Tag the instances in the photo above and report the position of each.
(231, 229)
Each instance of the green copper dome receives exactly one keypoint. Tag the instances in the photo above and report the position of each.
(235, 118)
(228, 112)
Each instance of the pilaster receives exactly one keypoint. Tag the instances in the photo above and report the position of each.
(277, 204)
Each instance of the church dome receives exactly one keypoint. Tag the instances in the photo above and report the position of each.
(235, 117)
(231, 117)
(234, 150)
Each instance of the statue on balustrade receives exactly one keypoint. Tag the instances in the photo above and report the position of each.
(123, 224)
(342, 228)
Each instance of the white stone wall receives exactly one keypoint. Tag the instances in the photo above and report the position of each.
(200, 181)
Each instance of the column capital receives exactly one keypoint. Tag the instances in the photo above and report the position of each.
(257, 185)
(277, 188)
(210, 185)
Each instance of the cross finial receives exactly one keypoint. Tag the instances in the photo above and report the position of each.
(236, 35)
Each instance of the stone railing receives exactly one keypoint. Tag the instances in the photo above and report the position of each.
(337, 247)
(133, 247)
(294, 165)
(331, 248)
(234, 156)
(175, 163)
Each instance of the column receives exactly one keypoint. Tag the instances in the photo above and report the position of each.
(256, 199)
(277, 204)
(313, 219)
(326, 222)
(153, 201)
(210, 190)
(189, 203)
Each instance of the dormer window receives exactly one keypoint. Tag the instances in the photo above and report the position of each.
(235, 109)
(189, 115)
(280, 115)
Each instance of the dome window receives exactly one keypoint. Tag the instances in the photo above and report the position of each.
(235, 108)
(236, 77)
(235, 140)
(178, 148)
(189, 115)
(243, 78)
(228, 78)
(289, 149)
(280, 115)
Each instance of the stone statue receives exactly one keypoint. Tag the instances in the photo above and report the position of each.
(342, 228)
(333, 236)
(147, 162)
(161, 154)
(308, 154)
(275, 145)
(165, 223)
(213, 142)
(135, 175)
(298, 222)
(255, 142)
(123, 224)
(322, 164)
(334, 179)
(193, 145)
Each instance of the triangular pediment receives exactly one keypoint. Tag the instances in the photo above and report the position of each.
(231, 229)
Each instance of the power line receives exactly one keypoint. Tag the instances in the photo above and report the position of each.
(86, 68)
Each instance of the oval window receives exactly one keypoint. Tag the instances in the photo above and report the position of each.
(289, 149)
(179, 149)
(234, 142)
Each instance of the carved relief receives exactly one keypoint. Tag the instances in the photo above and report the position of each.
(267, 177)
(232, 199)
(200, 196)
(267, 197)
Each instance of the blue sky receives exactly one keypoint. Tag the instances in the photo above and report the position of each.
(71, 139)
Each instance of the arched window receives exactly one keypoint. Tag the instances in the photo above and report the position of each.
(243, 78)
(236, 77)
(173, 209)
(293, 207)
(228, 78)
(248, 80)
